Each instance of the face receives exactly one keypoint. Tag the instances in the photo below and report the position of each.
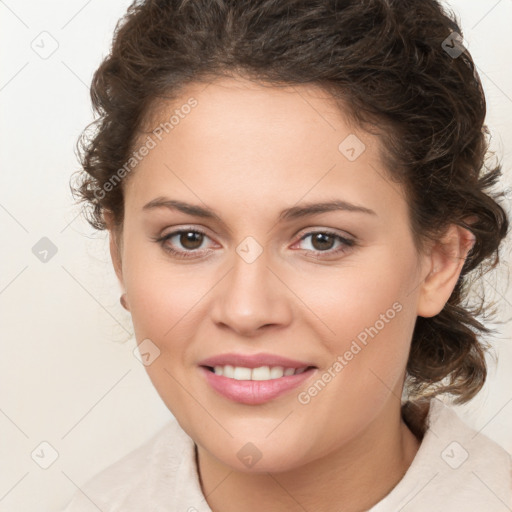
(335, 289)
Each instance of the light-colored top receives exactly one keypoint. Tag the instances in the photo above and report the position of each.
(455, 469)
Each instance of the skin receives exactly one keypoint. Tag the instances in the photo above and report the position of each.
(248, 152)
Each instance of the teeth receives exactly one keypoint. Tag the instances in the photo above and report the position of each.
(227, 371)
(242, 373)
(260, 373)
(276, 372)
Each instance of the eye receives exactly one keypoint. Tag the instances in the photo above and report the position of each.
(190, 239)
(322, 241)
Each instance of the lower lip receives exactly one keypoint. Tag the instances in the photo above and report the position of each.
(254, 392)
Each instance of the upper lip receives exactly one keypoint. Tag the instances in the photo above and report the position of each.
(253, 361)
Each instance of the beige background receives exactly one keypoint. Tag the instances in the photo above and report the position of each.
(68, 376)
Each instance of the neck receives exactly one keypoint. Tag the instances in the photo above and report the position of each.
(355, 476)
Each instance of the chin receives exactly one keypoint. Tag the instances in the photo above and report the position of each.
(270, 461)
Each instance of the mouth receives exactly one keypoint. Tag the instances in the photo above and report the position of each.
(254, 386)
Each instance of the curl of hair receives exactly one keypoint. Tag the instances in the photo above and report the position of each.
(383, 61)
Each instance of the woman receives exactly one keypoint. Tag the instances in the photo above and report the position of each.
(297, 197)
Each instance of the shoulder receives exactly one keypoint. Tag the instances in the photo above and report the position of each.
(139, 480)
(456, 468)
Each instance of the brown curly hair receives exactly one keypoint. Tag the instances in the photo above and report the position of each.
(389, 63)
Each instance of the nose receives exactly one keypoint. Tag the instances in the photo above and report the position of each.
(252, 296)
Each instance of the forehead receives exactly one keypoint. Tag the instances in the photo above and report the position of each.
(236, 110)
(244, 141)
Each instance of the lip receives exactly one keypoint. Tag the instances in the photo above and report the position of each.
(254, 361)
(254, 392)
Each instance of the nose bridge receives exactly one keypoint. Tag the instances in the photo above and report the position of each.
(250, 295)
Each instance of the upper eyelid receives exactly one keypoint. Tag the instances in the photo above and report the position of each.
(301, 232)
(335, 232)
(176, 231)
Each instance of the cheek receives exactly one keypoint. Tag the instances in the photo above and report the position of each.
(374, 292)
(160, 294)
(162, 301)
(366, 313)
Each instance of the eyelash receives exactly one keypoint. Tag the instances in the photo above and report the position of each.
(346, 243)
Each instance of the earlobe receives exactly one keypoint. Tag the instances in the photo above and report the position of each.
(446, 259)
(124, 302)
(115, 253)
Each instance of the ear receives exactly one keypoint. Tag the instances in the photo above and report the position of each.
(445, 260)
(114, 245)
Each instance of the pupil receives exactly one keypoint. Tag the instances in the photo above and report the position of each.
(321, 237)
(191, 237)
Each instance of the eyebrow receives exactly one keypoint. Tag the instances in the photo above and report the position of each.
(292, 213)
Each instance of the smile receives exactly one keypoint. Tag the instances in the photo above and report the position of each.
(253, 386)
